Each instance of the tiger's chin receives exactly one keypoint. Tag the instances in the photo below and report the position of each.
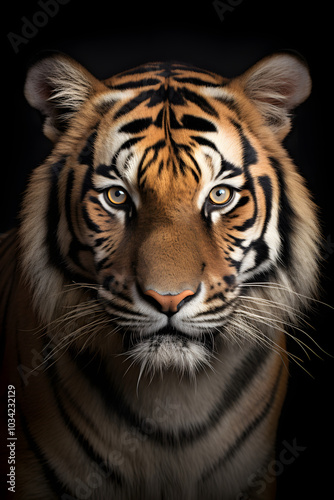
(170, 350)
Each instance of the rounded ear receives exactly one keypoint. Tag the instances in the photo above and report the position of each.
(276, 85)
(57, 86)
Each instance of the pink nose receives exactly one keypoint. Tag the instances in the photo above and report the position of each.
(169, 303)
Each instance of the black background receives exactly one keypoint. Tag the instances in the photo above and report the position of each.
(109, 37)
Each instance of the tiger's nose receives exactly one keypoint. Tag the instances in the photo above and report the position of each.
(169, 303)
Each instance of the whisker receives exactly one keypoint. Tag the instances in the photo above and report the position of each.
(280, 286)
(277, 305)
(276, 321)
(258, 336)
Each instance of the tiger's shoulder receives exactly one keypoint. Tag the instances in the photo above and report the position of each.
(8, 266)
(16, 310)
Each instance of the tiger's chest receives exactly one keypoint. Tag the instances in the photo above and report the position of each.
(167, 438)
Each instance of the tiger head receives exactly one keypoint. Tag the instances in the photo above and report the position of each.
(169, 201)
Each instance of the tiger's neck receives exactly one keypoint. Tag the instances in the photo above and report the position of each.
(167, 405)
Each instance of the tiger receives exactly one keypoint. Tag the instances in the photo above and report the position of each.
(163, 250)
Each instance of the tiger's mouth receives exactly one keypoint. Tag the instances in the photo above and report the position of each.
(171, 334)
(170, 349)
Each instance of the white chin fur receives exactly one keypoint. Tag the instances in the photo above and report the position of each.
(157, 354)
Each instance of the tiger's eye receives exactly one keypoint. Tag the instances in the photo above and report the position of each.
(220, 195)
(117, 195)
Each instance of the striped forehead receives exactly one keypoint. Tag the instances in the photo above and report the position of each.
(175, 118)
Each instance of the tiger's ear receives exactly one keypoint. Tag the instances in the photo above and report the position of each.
(57, 86)
(276, 85)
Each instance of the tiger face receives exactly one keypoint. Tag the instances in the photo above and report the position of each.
(168, 194)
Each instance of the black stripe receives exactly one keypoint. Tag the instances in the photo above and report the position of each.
(197, 123)
(126, 145)
(175, 97)
(156, 148)
(108, 280)
(199, 100)
(108, 171)
(94, 369)
(55, 383)
(53, 215)
(68, 202)
(95, 200)
(161, 166)
(195, 176)
(260, 246)
(73, 253)
(56, 485)
(136, 126)
(230, 103)
(141, 163)
(248, 222)
(104, 106)
(235, 171)
(218, 295)
(89, 222)
(182, 166)
(75, 246)
(99, 241)
(158, 96)
(249, 153)
(132, 104)
(286, 215)
(196, 165)
(102, 263)
(87, 182)
(265, 183)
(249, 158)
(86, 155)
(173, 123)
(225, 166)
(242, 202)
(247, 432)
(134, 84)
(205, 142)
(159, 119)
(144, 169)
(215, 310)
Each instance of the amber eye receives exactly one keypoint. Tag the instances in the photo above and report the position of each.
(117, 195)
(220, 195)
